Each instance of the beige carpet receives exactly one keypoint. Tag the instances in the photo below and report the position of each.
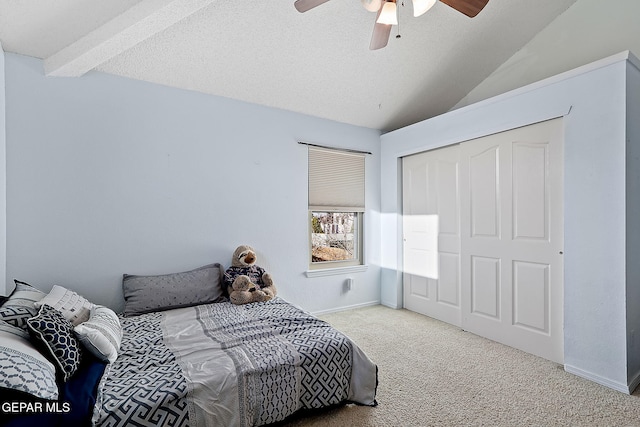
(434, 374)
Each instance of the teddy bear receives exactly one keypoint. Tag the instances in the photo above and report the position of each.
(245, 281)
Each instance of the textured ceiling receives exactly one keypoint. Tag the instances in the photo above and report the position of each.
(265, 52)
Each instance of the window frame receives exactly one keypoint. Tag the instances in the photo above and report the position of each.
(358, 239)
(336, 183)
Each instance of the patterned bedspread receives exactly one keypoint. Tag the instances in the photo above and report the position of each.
(222, 364)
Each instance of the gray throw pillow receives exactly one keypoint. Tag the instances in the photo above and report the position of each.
(24, 295)
(144, 294)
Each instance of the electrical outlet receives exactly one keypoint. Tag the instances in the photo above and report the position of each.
(349, 284)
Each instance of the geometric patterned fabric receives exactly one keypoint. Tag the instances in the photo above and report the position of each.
(23, 368)
(51, 329)
(17, 315)
(288, 358)
(272, 358)
(145, 384)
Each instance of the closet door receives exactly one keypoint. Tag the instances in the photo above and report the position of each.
(483, 237)
(431, 234)
(511, 238)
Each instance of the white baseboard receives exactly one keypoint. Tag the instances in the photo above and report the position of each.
(635, 382)
(394, 306)
(345, 308)
(621, 387)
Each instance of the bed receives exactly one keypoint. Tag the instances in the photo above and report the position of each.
(188, 358)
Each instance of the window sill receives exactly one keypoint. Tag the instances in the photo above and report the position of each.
(336, 271)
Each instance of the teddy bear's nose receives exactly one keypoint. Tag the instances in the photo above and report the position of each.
(249, 259)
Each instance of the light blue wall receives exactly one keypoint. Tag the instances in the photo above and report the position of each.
(633, 223)
(3, 175)
(108, 175)
(593, 102)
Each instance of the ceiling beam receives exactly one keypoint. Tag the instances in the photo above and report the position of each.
(137, 24)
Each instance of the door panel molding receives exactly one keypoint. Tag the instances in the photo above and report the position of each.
(495, 236)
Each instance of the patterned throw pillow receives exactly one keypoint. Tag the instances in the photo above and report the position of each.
(17, 315)
(101, 334)
(9, 328)
(24, 295)
(73, 307)
(55, 332)
(24, 368)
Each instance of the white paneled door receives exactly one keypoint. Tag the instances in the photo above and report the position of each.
(507, 261)
(431, 233)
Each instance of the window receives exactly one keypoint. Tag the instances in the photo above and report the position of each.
(335, 237)
(336, 208)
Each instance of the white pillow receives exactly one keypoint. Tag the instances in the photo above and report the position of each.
(73, 307)
(101, 334)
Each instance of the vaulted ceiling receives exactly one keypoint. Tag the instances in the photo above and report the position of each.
(265, 52)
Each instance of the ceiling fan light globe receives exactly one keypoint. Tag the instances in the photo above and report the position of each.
(389, 14)
(372, 5)
(420, 7)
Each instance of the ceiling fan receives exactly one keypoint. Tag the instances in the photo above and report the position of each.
(387, 13)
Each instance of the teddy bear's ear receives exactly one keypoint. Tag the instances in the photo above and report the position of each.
(242, 248)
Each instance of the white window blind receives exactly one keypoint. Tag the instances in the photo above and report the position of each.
(336, 180)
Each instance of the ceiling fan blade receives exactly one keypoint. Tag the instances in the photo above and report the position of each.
(469, 7)
(304, 5)
(381, 33)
